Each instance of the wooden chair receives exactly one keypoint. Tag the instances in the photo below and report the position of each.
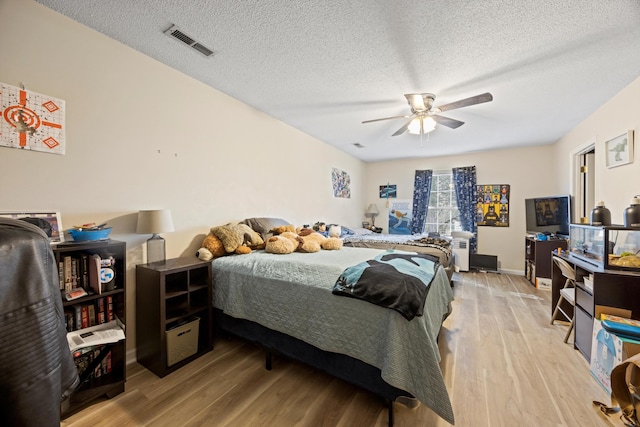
(568, 293)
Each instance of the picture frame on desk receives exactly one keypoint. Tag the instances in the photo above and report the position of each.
(619, 150)
(52, 217)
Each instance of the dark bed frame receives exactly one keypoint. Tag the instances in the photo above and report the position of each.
(338, 365)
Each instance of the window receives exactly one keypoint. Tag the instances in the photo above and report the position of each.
(443, 215)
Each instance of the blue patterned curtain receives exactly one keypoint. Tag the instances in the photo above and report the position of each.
(466, 192)
(421, 193)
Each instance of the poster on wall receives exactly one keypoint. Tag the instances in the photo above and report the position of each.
(341, 183)
(31, 121)
(492, 207)
(400, 215)
(388, 191)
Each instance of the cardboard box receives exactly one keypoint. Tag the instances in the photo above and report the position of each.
(182, 341)
(608, 350)
(543, 283)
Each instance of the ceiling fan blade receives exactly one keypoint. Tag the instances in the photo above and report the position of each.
(386, 118)
(448, 122)
(416, 101)
(403, 129)
(478, 99)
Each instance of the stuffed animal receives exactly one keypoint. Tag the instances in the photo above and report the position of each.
(335, 231)
(282, 228)
(227, 239)
(326, 243)
(284, 243)
(306, 240)
(304, 245)
(320, 226)
(212, 247)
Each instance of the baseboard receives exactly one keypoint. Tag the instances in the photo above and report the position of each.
(514, 272)
(131, 357)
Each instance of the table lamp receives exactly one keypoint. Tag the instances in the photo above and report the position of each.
(372, 212)
(155, 222)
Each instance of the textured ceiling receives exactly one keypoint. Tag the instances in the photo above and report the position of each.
(325, 66)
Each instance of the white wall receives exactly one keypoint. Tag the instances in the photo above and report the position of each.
(141, 135)
(523, 169)
(615, 186)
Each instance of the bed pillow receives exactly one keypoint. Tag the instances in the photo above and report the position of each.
(262, 225)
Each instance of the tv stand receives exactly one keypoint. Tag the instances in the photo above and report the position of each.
(537, 257)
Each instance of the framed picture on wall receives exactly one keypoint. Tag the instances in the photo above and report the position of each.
(619, 150)
(54, 219)
(388, 191)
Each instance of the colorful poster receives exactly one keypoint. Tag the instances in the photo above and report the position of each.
(400, 215)
(388, 191)
(341, 183)
(492, 207)
(31, 121)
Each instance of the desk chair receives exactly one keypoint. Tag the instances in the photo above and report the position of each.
(568, 293)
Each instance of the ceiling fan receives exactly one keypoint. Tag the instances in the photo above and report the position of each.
(424, 115)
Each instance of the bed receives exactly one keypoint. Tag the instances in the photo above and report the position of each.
(286, 304)
(438, 246)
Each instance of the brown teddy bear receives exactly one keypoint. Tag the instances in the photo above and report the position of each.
(284, 243)
(307, 241)
(326, 243)
(212, 247)
(227, 239)
(281, 229)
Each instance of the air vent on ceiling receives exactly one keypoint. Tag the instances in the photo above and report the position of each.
(177, 34)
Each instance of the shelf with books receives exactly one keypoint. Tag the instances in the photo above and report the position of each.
(99, 270)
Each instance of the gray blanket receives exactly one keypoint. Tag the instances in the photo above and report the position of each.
(292, 294)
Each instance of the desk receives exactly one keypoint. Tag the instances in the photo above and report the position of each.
(613, 288)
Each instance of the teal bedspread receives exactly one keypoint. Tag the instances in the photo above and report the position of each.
(292, 294)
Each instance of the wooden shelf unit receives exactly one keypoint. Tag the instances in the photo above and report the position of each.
(112, 383)
(168, 294)
(537, 257)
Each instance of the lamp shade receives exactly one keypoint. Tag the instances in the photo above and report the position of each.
(428, 124)
(154, 221)
(372, 210)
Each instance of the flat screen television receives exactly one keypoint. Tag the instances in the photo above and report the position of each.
(548, 215)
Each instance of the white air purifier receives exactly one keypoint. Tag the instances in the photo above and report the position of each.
(460, 244)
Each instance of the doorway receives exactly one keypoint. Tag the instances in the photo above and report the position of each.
(584, 175)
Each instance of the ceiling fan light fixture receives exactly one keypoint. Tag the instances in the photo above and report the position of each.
(428, 125)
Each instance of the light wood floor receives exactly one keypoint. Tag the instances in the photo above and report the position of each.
(503, 363)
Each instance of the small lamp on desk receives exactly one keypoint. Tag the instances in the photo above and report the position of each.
(372, 212)
(155, 222)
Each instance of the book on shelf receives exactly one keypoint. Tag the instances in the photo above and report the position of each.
(67, 273)
(75, 293)
(84, 271)
(109, 308)
(84, 319)
(100, 311)
(61, 275)
(92, 314)
(94, 274)
(83, 358)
